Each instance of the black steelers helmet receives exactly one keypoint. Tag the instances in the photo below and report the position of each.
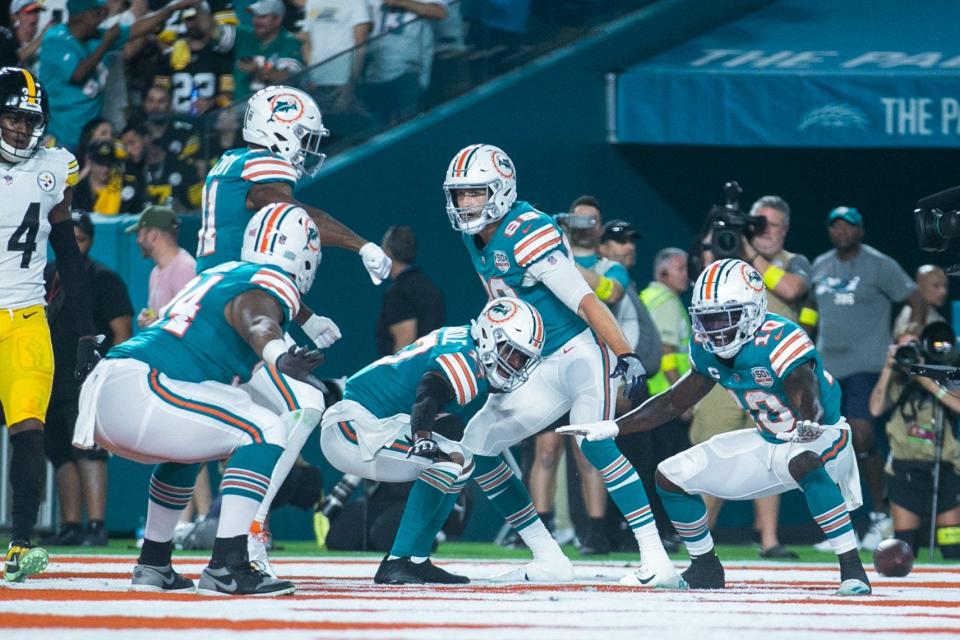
(23, 95)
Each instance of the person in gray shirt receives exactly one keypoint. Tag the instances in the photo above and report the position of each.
(855, 287)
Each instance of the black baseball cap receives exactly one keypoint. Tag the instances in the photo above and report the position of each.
(619, 230)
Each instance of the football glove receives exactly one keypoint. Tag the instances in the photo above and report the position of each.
(376, 262)
(592, 431)
(425, 448)
(299, 363)
(806, 431)
(87, 355)
(634, 375)
(321, 330)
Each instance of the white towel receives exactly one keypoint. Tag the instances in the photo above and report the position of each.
(83, 432)
(373, 433)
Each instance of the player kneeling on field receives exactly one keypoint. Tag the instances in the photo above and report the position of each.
(386, 427)
(167, 396)
(801, 440)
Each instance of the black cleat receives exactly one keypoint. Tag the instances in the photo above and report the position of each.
(595, 544)
(405, 571)
(243, 579)
(704, 572)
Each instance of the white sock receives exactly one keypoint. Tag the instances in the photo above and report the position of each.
(161, 522)
(540, 541)
(651, 547)
(418, 559)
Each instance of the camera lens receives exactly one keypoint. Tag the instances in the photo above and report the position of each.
(726, 243)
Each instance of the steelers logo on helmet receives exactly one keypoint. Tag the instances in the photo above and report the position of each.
(24, 113)
(729, 305)
(509, 336)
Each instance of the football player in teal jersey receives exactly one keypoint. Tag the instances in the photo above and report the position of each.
(283, 129)
(185, 375)
(772, 368)
(387, 426)
(520, 252)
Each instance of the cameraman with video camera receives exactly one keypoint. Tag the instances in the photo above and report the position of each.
(910, 402)
(757, 238)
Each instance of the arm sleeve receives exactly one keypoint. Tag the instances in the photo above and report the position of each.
(560, 275)
(73, 275)
(433, 392)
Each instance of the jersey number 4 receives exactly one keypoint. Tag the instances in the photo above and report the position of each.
(24, 237)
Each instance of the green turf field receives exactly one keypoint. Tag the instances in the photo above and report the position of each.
(482, 550)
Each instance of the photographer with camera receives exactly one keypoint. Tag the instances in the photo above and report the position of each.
(932, 284)
(757, 239)
(910, 402)
(855, 287)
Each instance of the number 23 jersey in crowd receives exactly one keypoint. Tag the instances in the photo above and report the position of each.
(759, 370)
(29, 190)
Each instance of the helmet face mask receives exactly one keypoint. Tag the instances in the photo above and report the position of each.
(24, 113)
(728, 307)
(285, 236)
(288, 122)
(509, 336)
(479, 167)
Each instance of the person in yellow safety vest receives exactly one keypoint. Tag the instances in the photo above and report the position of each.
(662, 300)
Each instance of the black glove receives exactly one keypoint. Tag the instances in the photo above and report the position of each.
(425, 448)
(634, 375)
(299, 363)
(87, 356)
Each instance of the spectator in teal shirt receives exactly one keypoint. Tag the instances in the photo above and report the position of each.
(266, 54)
(71, 62)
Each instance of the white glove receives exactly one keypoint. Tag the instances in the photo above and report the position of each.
(376, 262)
(603, 430)
(321, 330)
(805, 431)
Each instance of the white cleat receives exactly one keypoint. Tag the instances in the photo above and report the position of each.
(554, 569)
(662, 576)
(257, 549)
(854, 587)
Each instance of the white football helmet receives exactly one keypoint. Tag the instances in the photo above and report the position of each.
(286, 121)
(480, 166)
(728, 306)
(509, 337)
(285, 236)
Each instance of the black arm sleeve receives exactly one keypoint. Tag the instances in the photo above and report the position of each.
(73, 275)
(433, 392)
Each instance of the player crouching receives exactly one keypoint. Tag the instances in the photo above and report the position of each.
(773, 369)
(167, 396)
(385, 428)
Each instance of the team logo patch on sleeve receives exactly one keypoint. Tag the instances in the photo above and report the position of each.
(46, 180)
(762, 376)
(501, 261)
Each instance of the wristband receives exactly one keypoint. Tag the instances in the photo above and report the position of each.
(273, 350)
(772, 276)
(948, 535)
(604, 288)
(809, 316)
(668, 362)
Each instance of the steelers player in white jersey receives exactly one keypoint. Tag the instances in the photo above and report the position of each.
(36, 187)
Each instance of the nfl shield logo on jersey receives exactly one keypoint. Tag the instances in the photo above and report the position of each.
(762, 377)
(501, 261)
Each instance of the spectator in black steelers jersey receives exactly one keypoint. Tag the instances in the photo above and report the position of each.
(176, 135)
(134, 139)
(81, 475)
(200, 77)
(413, 305)
(171, 181)
(105, 189)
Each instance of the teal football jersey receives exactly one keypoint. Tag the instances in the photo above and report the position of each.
(524, 237)
(760, 369)
(388, 386)
(191, 339)
(224, 201)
